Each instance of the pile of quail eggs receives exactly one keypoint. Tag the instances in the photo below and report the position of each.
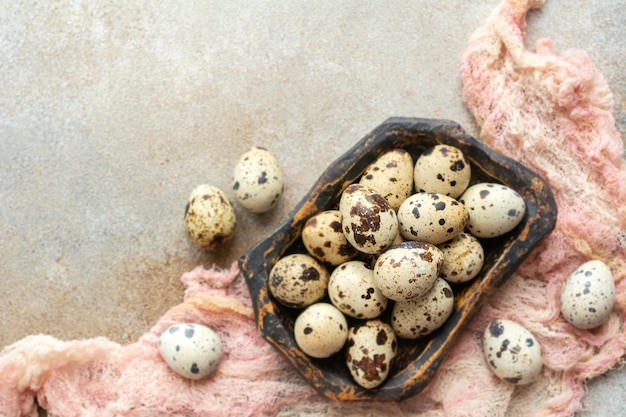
(399, 237)
(398, 242)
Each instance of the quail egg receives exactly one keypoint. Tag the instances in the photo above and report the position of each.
(371, 348)
(321, 330)
(209, 216)
(588, 296)
(494, 209)
(368, 221)
(512, 352)
(192, 350)
(257, 180)
(442, 169)
(431, 217)
(298, 280)
(351, 289)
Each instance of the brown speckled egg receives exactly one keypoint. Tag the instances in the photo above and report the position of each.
(209, 217)
(368, 221)
(324, 239)
(391, 175)
(512, 352)
(442, 169)
(298, 280)
(463, 258)
(494, 209)
(321, 330)
(422, 315)
(588, 295)
(351, 289)
(371, 348)
(407, 270)
(431, 217)
(257, 180)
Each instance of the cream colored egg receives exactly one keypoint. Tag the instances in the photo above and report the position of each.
(298, 280)
(321, 330)
(588, 295)
(494, 209)
(369, 223)
(323, 238)
(442, 169)
(512, 352)
(370, 350)
(209, 217)
(431, 217)
(423, 315)
(192, 350)
(351, 289)
(407, 270)
(257, 180)
(391, 175)
(463, 258)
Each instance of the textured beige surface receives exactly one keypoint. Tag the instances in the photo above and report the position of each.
(111, 113)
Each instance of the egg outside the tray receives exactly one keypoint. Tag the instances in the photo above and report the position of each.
(416, 361)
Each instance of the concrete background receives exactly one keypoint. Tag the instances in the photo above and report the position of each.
(112, 112)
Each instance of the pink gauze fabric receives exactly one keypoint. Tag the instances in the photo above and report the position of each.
(552, 113)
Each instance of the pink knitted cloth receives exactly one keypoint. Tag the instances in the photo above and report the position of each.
(551, 113)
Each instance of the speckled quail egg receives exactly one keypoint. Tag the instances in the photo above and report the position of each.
(423, 315)
(192, 350)
(351, 289)
(298, 280)
(407, 270)
(209, 216)
(494, 209)
(512, 352)
(324, 239)
(463, 258)
(588, 295)
(442, 169)
(368, 221)
(321, 330)
(257, 180)
(391, 175)
(431, 217)
(371, 348)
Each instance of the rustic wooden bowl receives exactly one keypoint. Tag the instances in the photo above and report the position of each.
(417, 361)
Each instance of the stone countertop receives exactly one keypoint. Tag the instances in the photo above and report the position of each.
(112, 112)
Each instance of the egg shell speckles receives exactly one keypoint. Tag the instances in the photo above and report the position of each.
(371, 348)
(209, 217)
(407, 270)
(391, 175)
(257, 180)
(324, 239)
(298, 280)
(368, 221)
(494, 209)
(193, 351)
(351, 289)
(588, 295)
(321, 330)
(423, 315)
(463, 258)
(442, 169)
(431, 217)
(512, 352)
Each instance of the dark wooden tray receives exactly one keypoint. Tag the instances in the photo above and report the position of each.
(417, 361)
